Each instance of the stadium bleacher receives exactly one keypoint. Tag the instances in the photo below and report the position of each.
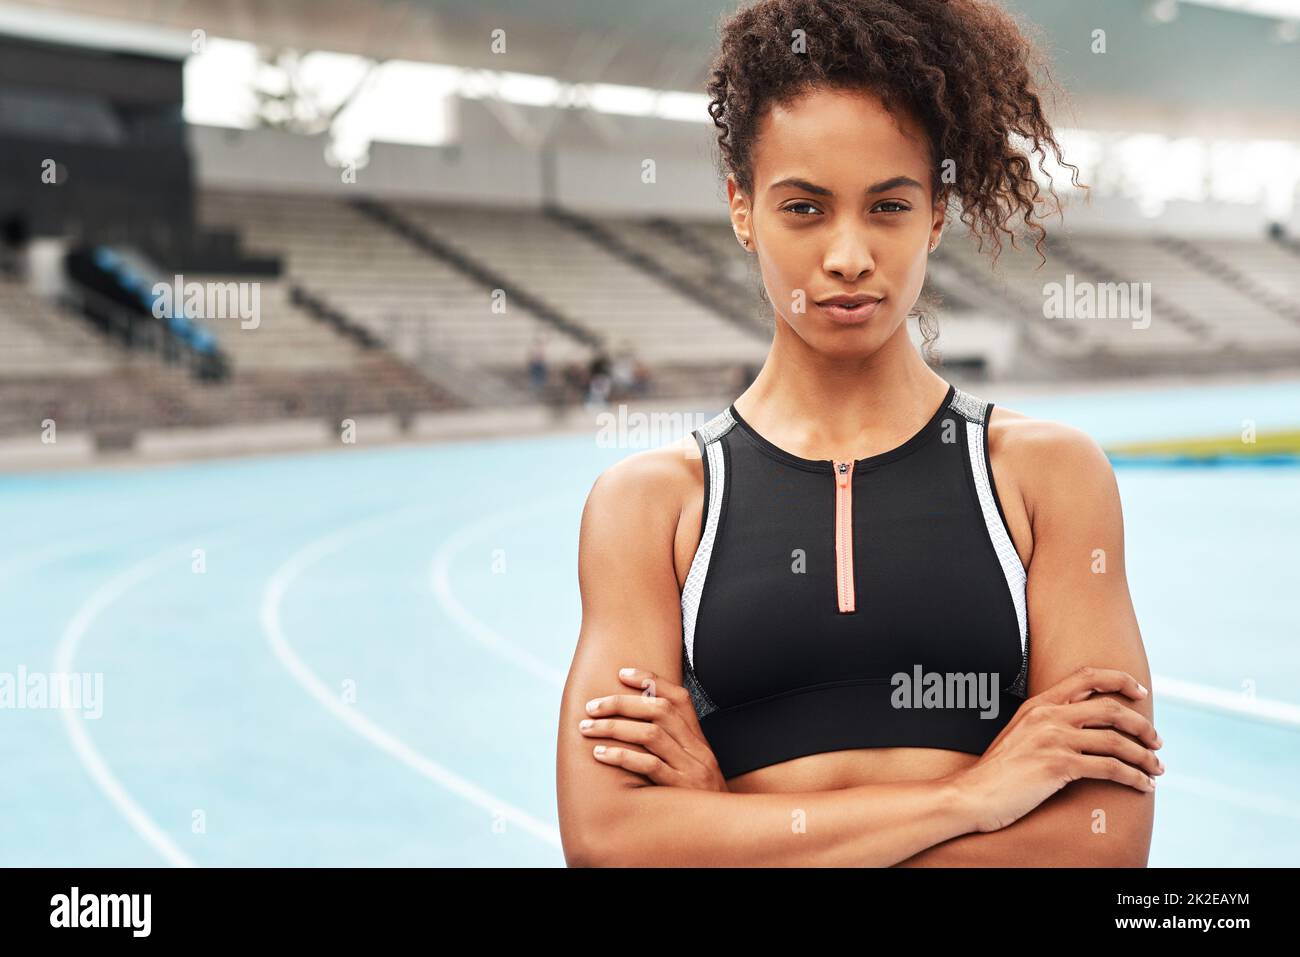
(39, 336)
(442, 276)
(435, 326)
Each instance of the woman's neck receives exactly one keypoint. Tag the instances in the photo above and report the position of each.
(840, 408)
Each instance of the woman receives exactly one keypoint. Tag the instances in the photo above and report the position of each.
(824, 597)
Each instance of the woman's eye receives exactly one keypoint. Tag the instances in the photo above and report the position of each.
(899, 207)
(793, 206)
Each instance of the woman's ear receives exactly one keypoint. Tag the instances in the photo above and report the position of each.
(739, 206)
(936, 222)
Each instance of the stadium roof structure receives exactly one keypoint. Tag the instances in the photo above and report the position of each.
(1191, 68)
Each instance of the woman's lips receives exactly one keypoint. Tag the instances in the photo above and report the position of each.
(850, 315)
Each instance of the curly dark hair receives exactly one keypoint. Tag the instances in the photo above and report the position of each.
(965, 69)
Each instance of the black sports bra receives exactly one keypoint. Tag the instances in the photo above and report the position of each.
(858, 604)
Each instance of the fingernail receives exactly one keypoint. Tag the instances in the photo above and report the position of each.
(1153, 782)
(1142, 688)
(593, 704)
(585, 723)
(626, 672)
(600, 749)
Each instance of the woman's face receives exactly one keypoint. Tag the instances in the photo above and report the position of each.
(842, 205)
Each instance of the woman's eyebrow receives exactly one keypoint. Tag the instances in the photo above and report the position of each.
(802, 184)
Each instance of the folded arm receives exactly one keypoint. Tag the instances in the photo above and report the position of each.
(1080, 613)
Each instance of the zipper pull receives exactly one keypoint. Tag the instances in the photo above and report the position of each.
(842, 474)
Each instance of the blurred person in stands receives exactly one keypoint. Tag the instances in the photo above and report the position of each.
(598, 379)
(622, 372)
(642, 377)
(575, 380)
(537, 367)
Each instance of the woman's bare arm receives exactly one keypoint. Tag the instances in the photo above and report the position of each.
(1080, 613)
(631, 616)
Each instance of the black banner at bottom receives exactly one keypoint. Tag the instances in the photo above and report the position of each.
(337, 906)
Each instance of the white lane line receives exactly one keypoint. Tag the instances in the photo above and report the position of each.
(1228, 702)
(74, 724)
(272, 597)
(440, 583)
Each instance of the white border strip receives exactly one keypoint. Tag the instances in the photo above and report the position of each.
(693, 588)
(1012, 568)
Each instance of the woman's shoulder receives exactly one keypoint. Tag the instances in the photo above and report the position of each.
(661, 472)
(651, 499)
(650, 482)
(1022, 435)
(1046, 458)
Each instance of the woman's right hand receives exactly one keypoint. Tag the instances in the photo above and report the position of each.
(1060, 736)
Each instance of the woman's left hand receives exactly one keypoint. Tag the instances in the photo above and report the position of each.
(661, 719)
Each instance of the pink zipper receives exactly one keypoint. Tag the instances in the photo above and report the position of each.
(844, 534)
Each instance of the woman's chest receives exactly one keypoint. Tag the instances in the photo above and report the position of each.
(928, 596)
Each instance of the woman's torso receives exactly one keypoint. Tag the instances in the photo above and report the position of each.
(916, 469)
